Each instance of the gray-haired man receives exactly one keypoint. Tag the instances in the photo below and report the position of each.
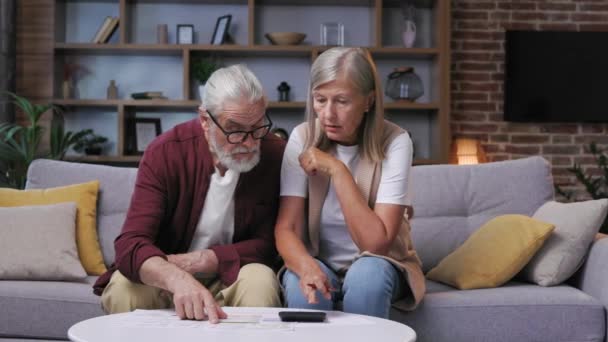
(199, 230)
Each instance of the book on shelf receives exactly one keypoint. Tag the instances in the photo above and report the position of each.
(109, 30)
(148, 95)
(104, 24)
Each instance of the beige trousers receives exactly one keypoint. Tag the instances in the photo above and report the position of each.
(256, 285)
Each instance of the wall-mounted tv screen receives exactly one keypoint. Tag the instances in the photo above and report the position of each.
(555, 76)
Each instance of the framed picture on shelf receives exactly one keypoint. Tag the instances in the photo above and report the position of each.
(141, 133)
(185, 34)
(220, 33)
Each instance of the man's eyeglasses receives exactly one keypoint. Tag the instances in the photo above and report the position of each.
(237, 137)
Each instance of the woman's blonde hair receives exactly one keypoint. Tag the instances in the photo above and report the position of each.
(357, 66)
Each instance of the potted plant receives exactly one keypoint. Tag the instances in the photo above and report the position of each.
(90, 143)
(595, 185)
(202, 68)
(20, 145)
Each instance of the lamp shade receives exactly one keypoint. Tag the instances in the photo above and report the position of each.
(467, 151)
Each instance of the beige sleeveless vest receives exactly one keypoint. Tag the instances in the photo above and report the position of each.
(367, 177)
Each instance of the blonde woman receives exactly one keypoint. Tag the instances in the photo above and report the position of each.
(341, 228)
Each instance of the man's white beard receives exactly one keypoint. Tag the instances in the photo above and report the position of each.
(226, 159)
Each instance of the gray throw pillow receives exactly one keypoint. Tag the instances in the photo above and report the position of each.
(576, 225)
(39, 243)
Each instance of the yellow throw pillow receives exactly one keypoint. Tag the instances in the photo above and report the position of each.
(493, 254)
(85, 196)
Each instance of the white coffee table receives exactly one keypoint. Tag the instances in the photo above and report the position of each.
(164, 325)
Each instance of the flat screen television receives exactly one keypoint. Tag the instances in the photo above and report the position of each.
(555, 76)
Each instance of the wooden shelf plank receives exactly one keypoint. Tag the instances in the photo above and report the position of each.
(362, 3)
(159, 103)
(195, 103)
(199, 2)
(104, 159)
(411, 105)
(417, 3)
(253, 50)
(287, 105)
(401, 51)
(87, 103)
(125, 102)
(118, 49)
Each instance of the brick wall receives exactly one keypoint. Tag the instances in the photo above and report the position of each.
(478, 29)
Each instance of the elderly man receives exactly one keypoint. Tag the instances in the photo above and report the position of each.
(199, 229)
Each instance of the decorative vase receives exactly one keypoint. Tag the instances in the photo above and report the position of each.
(404, 85)
(409, 33)
(112, 91)
(162, 34)
(66, 89)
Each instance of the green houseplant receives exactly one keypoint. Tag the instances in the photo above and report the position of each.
(20, 145)
(596, 186)
(202, 68)
(90, 143)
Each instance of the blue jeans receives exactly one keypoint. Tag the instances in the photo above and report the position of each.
(369, 287)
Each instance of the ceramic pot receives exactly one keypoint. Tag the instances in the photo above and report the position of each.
(404, 85)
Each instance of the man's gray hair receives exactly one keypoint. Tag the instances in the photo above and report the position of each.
(234, 83)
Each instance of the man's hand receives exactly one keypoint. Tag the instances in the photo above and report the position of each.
(193, 301)
(204, 261)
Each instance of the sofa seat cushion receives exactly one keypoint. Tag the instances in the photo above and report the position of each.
(514, 312)
(46, 309)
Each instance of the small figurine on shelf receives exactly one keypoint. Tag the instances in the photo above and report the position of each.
(112, 91)
(283, 89)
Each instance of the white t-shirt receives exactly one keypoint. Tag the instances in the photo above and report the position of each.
(216, 224)
(336, 247)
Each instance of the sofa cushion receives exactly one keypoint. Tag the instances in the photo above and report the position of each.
(576, 225)
(46, 309)
(493, 254)
(452, 201)
(85, 197)
(513, 312)
(116, 186)
(39, 243)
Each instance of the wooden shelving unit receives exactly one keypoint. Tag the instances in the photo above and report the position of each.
(433, 56)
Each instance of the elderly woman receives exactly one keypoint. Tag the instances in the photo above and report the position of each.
(346, 171)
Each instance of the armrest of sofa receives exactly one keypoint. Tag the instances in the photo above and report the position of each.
(593, 276)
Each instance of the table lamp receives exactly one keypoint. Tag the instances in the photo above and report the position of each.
(467, 151)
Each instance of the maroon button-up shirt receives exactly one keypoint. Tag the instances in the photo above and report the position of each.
(170, 190)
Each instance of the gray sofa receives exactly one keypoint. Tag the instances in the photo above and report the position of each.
(450, 202)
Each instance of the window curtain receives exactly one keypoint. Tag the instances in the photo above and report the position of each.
(8, 34)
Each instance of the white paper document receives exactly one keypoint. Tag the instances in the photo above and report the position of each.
(238, 318)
